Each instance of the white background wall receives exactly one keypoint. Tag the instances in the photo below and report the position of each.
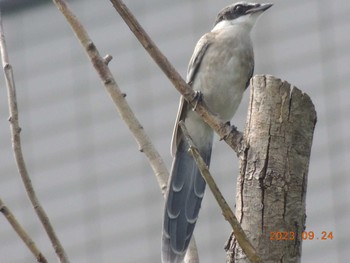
(96, 186)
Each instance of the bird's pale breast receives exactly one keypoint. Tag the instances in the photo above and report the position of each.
(228, 63)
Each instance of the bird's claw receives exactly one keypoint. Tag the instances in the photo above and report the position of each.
(231, 129)
(197, 98)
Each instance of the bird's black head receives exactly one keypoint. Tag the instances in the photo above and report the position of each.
(240, 9)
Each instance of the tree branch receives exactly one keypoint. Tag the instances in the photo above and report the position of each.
(241, 237)
(22, 233)
(17, 148)
(126, 113)
(226, 132)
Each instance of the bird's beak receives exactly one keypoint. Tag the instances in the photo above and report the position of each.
(259, 8)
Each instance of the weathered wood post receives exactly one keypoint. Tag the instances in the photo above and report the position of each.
(271, 187)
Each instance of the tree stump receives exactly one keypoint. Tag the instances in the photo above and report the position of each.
(271, 187)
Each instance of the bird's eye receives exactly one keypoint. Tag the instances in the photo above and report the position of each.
(239, 9)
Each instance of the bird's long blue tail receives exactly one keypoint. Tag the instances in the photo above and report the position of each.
(183, 201)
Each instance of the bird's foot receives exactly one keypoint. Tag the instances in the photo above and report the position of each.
(197, 98)
(229, 130)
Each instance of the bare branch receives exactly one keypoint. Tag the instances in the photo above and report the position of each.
(226, 132)
(241, 237)
(22, 233)
(17, 148)
(145, 144)
(100, 64)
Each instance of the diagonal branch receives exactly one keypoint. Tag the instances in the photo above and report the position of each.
(145, 144)
(101, 66)
(226, 132)
(22, 233)
(17, 148)
(239, 233)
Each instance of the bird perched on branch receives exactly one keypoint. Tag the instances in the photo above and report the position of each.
(220, 69)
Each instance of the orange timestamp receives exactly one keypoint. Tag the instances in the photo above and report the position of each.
(305, 235)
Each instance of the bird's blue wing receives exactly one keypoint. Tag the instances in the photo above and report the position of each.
(195, 61)
(186, 186)
(198, 54)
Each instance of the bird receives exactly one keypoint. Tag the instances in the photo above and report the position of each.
(219, 70)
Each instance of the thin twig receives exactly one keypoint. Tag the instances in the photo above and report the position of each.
(100, 64)
(241, 237)
(226, 132)
(22, 233)
(17, 148)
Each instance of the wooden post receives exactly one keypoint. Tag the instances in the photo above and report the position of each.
(271, 188)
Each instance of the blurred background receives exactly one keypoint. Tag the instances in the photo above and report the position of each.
(96, 187)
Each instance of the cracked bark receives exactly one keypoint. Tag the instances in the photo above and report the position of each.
(271, 187)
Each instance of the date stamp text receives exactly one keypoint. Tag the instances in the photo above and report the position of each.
(306, 235)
